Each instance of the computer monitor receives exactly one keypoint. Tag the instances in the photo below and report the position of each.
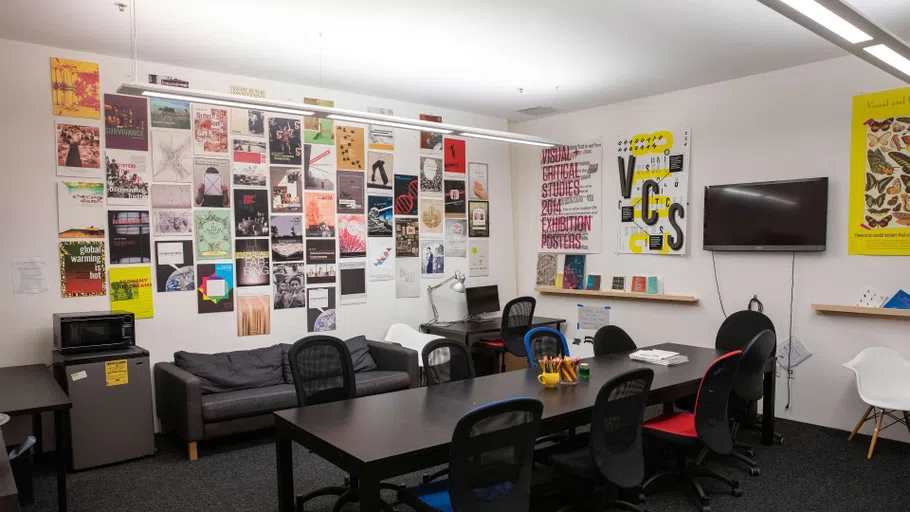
(482, 299)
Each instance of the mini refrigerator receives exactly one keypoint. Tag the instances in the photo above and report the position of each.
(111, 419)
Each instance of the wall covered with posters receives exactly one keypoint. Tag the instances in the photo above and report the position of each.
(216, 210)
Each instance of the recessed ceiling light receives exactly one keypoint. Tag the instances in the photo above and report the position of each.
(829, 20)
(891, 57)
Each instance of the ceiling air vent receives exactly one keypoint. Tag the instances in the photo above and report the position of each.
(538, 111)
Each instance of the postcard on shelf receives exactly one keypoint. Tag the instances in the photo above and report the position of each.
(901, 300)
(639, 284)
(871, 298)
(619, 284)
(655, 285)
(593, 282)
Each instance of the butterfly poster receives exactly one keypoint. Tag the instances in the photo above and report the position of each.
(879, 218)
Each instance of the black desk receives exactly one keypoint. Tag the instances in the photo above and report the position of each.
(382, 436)
(465, 330)
(32, 390)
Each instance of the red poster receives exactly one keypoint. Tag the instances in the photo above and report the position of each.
(454, 156)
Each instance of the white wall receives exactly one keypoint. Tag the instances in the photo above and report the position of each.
(782, 125)
(28, 211)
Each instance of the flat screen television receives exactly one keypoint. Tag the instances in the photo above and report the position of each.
(482, 299)
(768, 216)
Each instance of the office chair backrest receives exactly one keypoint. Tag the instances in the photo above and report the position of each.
(544, 342)
(322, 370)
(610, 339)
(749, 384)
(711, 422)
(740, 328)
(492, 454)
(447, 361)
(615, 440)
(517, 317)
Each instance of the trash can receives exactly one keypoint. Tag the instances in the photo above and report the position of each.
(21, 463)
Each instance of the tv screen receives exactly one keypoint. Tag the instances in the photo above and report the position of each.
(769, 216)
(482, 299)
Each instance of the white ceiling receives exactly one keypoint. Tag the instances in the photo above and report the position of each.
(470, 55)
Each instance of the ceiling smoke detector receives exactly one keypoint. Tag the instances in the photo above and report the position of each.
(538, 111)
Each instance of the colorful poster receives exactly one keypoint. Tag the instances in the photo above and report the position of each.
(319, 167)
(479, 261)
(431, 217)
(406, 194)
(250, 175)
(478, 174)
(457, 237)
(430, 175)
(353, 277)
(320, 215)
(168, 113)
(381, 259)
(127, 177)
(287, 238)
(173, 222)
(879, 217)
(249, 151)
(131, 290)
(432, 258)
(287, 190)
(211, 182)
(254, 313)
(252, 262)
(653, 171)
(284, 141)
(430, 140)
(407, 243)
(407, 278)
(320, 313)
(172, 155)
(381, 171)
(130, 240)
(80, 209)
(126, 123)
(319, 130)
(320, 261)
(379, 216)
(247, 122)
(251, 212)
(352, 236)
(215, 287)
(478, 218)
(381, 137)
(172, 196)
(174, 266)
(350, 148)
(455, 199)
(82, 269)
(454, 157)
(78, 150)
(75, 88)
(213, 234)
(546, 269)
(350, 192)
(573, 272)
(210, 131)
(288, 281)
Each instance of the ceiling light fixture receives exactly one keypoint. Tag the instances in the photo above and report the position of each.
(224, 103)
(505, 139)
(829, 20)
(890, 57)
(381, 122)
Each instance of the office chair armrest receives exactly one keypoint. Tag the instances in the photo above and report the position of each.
(178, 401)
(393, 357)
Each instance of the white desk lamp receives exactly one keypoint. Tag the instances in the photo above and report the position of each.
(457, 286)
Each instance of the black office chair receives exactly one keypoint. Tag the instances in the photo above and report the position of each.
(447, 361)
(708, 428)
(542, 342)
(610, 339)
(613, 453)
(323, 373)
(490, 461)
(517, 317)
(748, 387)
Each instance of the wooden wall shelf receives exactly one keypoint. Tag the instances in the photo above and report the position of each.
(831, 309)
(679, 299)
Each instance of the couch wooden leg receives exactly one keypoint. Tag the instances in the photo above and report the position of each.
(191, 451)
(860, 423)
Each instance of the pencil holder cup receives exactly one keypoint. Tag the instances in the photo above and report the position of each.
(549, 380)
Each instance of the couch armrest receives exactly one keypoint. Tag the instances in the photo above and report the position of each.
(178, 401)
(394, 357)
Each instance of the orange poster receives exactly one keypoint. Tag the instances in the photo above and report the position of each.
(320, 215)
(350, 148)
(75, 88)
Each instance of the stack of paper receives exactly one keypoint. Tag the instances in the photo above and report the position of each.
(661, 357)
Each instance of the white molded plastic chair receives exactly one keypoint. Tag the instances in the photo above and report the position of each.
(411, 338)
(883, 382)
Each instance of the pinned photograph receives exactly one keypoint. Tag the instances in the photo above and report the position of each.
(173, 222)
(430, 175)
(352, 236)
(287, 238)
(210, 130)
(432, 258)
(350, 192)
(406, 194)
(249, 151)
(319, 167)
(251, 213)
(215, 287)
(431, 217)
(381, 137)
(319, 130)
(247, 122)
(78, 150)
(288, 280)
(75, 88)
(172, 156)
(174, 266)
(319, 221)
(284, 141)
(254, 311)
(380, 171)
(321, 309)
(127, 177)
(379, 216)
(287, 190)
(168, 113)
(430, 140)
(252, 262)
(126, 123)
(211, 182)
(172, 196)
(80, 209)
(129, 234)
(349, 144)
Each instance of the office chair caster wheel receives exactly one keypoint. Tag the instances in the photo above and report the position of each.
(781, 440)
(737, 492)
(641, 497)
(755, 471)
(750, 453)
(705, 508)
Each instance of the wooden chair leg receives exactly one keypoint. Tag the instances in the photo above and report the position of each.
(191, 451)
(860, 423)
(878, 425)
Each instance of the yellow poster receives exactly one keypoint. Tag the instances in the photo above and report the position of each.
(75, 88)
(131, 290)
(349, 148)
(116, 373)
(880, 174)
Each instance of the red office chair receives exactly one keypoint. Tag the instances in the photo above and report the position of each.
(707, 427)
(517, 317)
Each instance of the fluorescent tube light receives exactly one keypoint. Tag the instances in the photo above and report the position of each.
(505, 139)
(829, 20)
(890, 57)
(383, 122)
(225, 103)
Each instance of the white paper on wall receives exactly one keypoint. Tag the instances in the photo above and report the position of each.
(479, 258)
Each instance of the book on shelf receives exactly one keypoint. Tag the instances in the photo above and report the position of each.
(619, 284)
(639, 284)
(661, 357)
(901, 300)
(573, 274)
(593, 282)
(655, 285)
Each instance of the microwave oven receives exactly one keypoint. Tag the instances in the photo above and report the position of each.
(101, 330)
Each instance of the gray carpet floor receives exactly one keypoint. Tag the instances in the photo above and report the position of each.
(816, 469)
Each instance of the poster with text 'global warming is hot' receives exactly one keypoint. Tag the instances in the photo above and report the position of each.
(570, 198)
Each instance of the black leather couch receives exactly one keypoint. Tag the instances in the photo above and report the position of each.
(205, 396)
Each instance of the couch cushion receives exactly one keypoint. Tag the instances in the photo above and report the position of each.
(248, 402)
(230, 371)
(360, 354)
(373, 383)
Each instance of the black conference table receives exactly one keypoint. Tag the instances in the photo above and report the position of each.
(466, 329)
(378, 437)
